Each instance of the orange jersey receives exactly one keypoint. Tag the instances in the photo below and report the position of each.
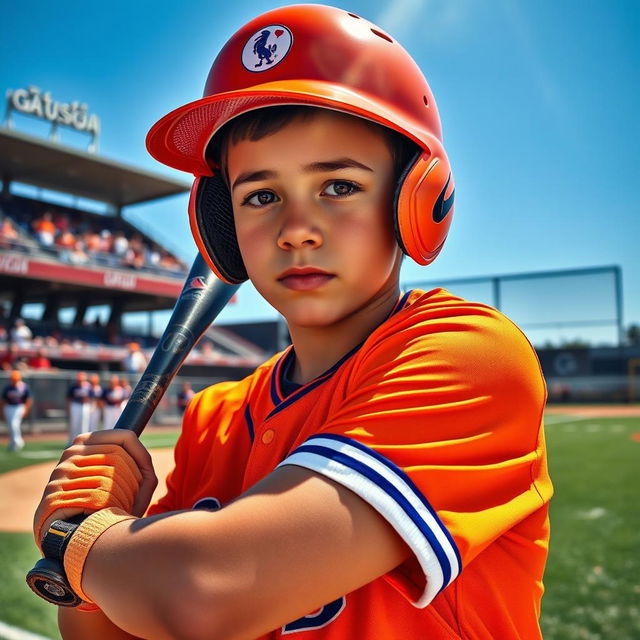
(436, 421)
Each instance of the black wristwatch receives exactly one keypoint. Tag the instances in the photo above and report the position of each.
(48, 578)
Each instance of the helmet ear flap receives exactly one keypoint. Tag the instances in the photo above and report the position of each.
(423, 205)
(213, 227)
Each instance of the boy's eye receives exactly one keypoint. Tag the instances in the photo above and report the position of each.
(259, 198)
(341, 188)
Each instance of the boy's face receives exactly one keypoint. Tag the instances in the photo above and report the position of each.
(312, 209)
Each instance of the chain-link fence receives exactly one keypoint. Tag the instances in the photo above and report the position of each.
(49, 393)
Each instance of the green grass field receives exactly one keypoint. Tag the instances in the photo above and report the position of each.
(593, 573)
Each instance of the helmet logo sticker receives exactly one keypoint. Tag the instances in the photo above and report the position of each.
(266, 48)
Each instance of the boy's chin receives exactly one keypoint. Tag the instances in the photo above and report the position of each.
(310, 316)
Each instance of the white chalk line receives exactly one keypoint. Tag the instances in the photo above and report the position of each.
(7, 632)
(551, 420)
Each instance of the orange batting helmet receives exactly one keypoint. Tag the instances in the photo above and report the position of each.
(319, 56)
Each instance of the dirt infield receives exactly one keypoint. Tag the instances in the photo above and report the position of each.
(20, 490)
(595, 411)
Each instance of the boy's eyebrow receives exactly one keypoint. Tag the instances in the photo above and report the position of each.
(252, 176)
(329, 165)
(335, 165)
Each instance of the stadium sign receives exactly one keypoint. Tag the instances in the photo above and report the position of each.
(34, 269)
(33, 102)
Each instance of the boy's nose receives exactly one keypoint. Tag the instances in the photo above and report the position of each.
(299, 231)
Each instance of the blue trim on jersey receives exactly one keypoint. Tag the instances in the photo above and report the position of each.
(399, 472)
(313, 384)
(400, 305)
(275, 375)
(392, 491)
(249, 420)
(281, 403)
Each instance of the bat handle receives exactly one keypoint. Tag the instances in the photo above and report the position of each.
(179, 338)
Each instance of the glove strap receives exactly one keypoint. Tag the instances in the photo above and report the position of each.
(83, 539)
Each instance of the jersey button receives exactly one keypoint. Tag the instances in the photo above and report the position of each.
(267, 436)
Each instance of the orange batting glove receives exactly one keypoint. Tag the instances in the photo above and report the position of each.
(99, 470)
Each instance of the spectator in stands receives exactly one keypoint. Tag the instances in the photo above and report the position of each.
(207, 350)
(92, 242)
(184, 397)
(168, 262)
(106, 241)
(45, 229)
(97, 403)
(8, 234)
(9, 358)
(16, 402)
(39, 361)
(112, 398)
(152, 256)
(135, 361)
(79, 406)
(21, 334)
(77, 255)
(120, 244)
(63, 224)
(133, 258)
(66, 241)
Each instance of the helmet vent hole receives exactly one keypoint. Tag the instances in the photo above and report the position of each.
(353, 15)
(426, 101)
(384, 36)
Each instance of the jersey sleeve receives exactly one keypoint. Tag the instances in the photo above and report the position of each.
(439, 430)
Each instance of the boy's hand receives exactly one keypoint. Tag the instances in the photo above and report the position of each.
(101, 469)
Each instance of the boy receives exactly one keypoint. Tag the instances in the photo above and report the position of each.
(385, 476)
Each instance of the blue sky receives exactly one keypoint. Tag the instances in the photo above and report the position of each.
(538, 101)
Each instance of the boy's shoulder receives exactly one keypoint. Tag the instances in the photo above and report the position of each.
(440, 312)
(446, 330)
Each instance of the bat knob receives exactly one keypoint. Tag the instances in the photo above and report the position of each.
(49, 581)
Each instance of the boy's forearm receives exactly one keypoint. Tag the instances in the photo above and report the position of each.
(79, 625)
(139, 571)
(192, 574)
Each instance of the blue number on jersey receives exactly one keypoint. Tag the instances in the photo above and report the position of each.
(322, 618)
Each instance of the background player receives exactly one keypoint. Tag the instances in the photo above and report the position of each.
(16, 402)
(385, 476)
(79, 403)
(97, 403)
(184, 397)
(112, 399)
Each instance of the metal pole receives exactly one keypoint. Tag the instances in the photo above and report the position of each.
(496, 293)
(617, 273)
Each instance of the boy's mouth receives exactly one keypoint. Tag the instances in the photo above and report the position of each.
(304, 278)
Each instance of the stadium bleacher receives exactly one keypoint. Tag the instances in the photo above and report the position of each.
(60, 262)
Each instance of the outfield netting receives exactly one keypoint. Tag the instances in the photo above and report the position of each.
(578, 307)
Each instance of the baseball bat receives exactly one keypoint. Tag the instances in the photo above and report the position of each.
(202, 298)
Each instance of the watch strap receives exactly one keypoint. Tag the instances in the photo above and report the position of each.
(57, 537)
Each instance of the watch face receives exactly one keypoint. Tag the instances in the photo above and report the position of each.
(49, 581)
(54, 589)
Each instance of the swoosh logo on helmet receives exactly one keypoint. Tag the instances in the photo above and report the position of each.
(442, 207)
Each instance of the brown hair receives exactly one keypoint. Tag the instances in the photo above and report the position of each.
(255, 125)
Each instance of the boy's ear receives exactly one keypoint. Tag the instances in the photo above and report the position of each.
(213, 228)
